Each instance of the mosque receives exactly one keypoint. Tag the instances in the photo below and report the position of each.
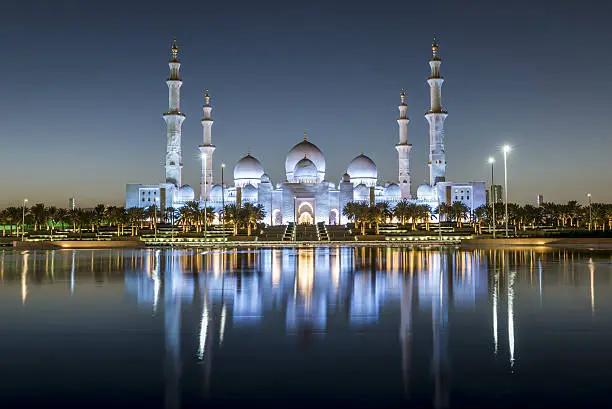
(305, 195)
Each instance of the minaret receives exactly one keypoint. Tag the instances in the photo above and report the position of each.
(436, 116)
(174, 120)
(403, 149)
(206, 150)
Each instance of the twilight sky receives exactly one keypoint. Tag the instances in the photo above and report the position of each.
(83, 90)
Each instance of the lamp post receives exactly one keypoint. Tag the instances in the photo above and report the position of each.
(439, 220)
(506, 149)
(223, 200)
(590, 213)
(294, 218)
(23, 220)
(492, 161)
(155, 217)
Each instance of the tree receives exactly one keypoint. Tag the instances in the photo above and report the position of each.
(251, 215)
(39, 215)
(401, 211)
(231, 215)
(482, 213)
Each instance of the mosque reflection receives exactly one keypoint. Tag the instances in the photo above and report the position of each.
(233, 288)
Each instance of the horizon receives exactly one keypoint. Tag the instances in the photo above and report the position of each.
(83, 110)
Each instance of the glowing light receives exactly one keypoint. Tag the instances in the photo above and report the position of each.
(495, 284)
(203, 331)
(222, 330)
(592, 275)
(24, 279)
(491, 159)
(506, 148)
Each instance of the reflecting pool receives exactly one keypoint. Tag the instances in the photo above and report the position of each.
(305, 327)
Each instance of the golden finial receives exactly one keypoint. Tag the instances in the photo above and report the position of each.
(403, 95)
(305, 136)
(206, 96)
(249, 152)
(174, 49)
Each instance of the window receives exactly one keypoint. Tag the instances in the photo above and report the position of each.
(461, 197)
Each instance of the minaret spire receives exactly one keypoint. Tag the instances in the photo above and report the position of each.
(403, 149)
(174, 120)
(206, 149)
(435, 117)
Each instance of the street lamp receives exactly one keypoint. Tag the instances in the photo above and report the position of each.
(492, 161)
(294, 218)
(155, 217)
(506, 149)
(590, 213)
(23, 220)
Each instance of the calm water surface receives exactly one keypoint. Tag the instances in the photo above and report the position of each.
(358, 327)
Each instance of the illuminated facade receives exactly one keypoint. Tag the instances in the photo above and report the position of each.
(305, 196)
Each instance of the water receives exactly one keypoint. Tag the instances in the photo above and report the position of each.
(358, 327)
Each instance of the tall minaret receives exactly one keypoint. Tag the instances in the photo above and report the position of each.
(436, 116)
(174, 120)
(206, 149)
(403, 149)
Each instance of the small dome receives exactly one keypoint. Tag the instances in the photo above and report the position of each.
(247, 169)
(186, 193)
(305, 171)
(216, 193)
(297, 153)
(249, 193)
(393, 191)
(425, 192)
(362, 167)
(346, 178)
(265, 178)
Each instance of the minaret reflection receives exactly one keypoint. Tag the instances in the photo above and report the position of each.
(406, 328)
(439, 317)
(172, 328)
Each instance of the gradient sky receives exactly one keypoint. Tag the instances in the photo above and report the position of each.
(83, 90)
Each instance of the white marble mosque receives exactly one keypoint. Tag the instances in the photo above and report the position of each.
(305, 195)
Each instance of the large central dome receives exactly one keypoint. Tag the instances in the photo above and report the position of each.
(311, 152)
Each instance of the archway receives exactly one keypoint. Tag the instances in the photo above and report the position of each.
(306, 218)
(305, 213)
(333, 216)
(277, 217)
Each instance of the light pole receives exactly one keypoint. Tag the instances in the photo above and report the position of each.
(492, 161)
(223, 200)
(590, 213)
(23, 220)
(294, 219)
(439, 220)
(506, 149)
(155, 217)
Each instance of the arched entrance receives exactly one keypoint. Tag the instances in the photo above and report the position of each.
(333, 216)
(305, 213)
(306, 218)
(277, 217)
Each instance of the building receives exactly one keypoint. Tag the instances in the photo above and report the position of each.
(71, 203)
(305, 195)
(540, 200)
(497, 193)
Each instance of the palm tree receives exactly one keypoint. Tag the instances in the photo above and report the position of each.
(401, 211)
(443, 209)
(39, 215)
(73, 216)
(349, 211)
(12, 217)
(252, 214)
(423, 213)
(482, 213)
(99, 215)
(362, 213)
(231, 215)
(459, 212)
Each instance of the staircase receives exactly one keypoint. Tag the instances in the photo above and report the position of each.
(273, 233)
(322, 232)
(289, 232)
(306, 232)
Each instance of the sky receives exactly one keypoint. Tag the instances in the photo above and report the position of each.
(83, 90)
